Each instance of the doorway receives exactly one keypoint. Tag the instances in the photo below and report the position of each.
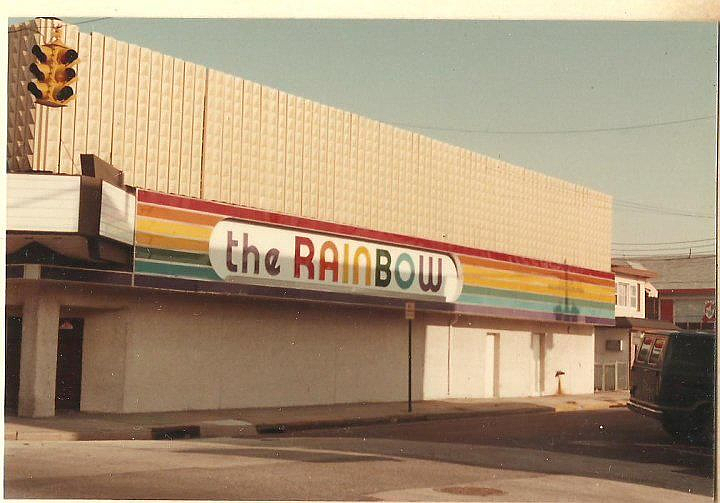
(13, 338)
(69, 364)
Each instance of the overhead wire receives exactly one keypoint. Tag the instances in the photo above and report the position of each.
(557, 131)
(663, 242)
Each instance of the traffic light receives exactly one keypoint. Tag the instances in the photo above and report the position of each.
(54, 73)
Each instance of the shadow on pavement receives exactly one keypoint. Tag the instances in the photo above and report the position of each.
(292, 455)
(611, 444)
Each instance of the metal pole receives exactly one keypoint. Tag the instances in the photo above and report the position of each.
(409, 365)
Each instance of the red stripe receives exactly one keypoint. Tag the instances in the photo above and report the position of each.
(688, 291)
(351, 231)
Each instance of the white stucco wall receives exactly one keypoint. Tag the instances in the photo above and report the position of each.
(466, 356)
(605, 334)
(103, 364)
(153, 351)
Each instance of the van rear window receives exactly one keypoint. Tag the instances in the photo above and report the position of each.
(645, 348)
(657, 350)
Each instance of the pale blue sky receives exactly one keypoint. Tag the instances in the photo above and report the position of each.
(502, 76)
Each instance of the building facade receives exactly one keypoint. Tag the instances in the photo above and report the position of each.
(186, 239)
(617, 346)
(686, 290)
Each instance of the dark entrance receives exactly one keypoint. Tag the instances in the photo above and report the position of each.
(69, 364)
(13, 336)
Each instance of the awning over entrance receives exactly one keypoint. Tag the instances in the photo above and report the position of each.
(644, 324)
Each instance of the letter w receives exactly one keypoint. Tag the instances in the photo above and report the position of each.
(429, 285)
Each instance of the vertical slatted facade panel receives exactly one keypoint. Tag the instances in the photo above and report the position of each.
(354, 179)
(298, 163)
(40, 113)
(267, 168)
(107, 98)
(237, 141)
(67, 116)
(212, 140)
(131, 107)
(186, 133)
(198, 111)
(363, 170)
(15, 113)
(348, 191)
(225, 105)
(382, 175)
(247, 140)
(165, 118)
(281, 152)
(288, 181)
(152, 167)
(142, 118)
(255, 139)
(374, 188)
(117, 153)
(314, 184)
(306, 158)
(324, 173)
(176, 126)
(94, 106)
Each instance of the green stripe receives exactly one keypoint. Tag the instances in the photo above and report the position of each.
(176, 270)
(545, 307)
(144, 252)
(537, 297)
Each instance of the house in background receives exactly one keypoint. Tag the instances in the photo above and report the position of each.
(686, 290)
(616, 347)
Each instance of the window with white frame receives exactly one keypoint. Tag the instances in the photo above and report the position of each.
(627, 295)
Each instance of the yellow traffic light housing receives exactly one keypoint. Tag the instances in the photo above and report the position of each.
(54, 73)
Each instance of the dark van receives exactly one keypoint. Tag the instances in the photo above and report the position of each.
(673, 380)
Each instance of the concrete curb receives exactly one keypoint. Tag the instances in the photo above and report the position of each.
(238, 428)
(397, 418)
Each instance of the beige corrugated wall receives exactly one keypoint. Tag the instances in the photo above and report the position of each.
(177, 127)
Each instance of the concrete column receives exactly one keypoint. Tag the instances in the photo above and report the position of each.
(38, 355)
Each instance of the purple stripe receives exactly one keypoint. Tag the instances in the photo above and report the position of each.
(185, 285)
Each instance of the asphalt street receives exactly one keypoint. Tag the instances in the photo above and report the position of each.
(580, 456)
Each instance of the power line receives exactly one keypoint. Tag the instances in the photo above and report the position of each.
(663, 242)
(649, 206)
(674, 213)
(31, 28)
(556, 131)
(678, 249)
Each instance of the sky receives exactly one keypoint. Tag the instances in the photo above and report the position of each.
(625, 108)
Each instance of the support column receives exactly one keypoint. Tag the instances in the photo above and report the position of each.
(38, 355)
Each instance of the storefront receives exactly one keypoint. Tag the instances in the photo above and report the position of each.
(265, 254)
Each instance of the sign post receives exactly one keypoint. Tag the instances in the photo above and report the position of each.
(409, 316)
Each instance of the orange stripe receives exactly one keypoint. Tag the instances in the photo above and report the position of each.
(167, 243)
(508, 266)
(178, 215)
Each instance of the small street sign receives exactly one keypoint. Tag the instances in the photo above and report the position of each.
(410, 310)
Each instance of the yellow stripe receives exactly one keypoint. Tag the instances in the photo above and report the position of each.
(480, 274)
(173, 229)
(166, 243)
(539, 284)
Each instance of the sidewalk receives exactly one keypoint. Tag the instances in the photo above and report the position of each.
(251, 422)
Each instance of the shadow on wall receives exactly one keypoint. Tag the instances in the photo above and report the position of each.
(566, 312)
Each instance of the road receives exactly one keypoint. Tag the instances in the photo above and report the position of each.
(580, 456)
